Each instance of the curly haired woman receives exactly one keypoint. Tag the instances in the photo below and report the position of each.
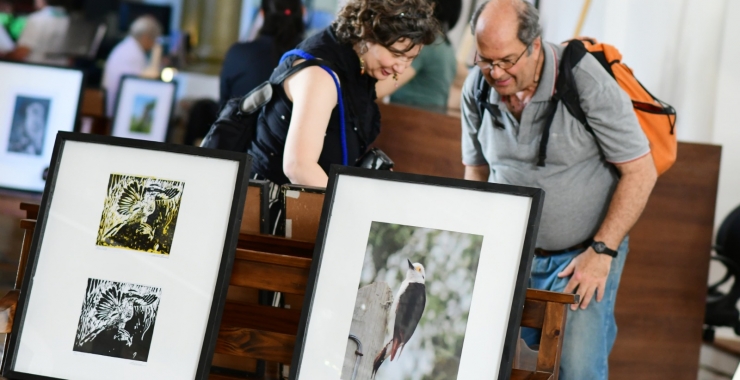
(299, 134)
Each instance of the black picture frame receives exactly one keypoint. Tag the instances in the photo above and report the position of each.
(215, 311)
(130, 77)
(523, 269)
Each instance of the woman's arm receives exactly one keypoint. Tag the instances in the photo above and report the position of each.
(314, 96)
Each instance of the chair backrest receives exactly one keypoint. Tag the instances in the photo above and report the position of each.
(414, 139)
(93, 102)
(728, 236)
(255, 218)
(303, 206)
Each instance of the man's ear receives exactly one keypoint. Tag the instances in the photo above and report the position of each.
(537, 43)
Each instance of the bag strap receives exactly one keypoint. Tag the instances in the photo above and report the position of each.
(324, 65)
(483, 89)
(567, 92)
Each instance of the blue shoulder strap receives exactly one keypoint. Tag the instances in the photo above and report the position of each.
(342, 130)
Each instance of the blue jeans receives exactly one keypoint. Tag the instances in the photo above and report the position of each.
(590, 333)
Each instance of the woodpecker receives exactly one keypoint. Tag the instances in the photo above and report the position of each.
(408, 306)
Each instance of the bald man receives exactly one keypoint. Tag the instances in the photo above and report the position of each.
(130, 56)
(596, 184)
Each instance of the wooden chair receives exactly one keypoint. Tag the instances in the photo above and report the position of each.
(255, 219)
(302, 206)
(93, 102)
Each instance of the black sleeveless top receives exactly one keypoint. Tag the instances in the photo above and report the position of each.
(362, 117)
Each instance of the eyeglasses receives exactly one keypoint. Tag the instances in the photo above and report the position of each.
(504, 64)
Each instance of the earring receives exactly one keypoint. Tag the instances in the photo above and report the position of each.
(395, 79)
(362, 66)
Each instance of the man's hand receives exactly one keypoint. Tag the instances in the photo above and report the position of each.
(589, 272)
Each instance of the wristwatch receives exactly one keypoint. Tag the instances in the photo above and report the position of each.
(600, 247)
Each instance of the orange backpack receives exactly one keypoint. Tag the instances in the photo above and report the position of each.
(657, 118)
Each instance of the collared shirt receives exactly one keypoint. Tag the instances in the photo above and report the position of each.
(44, 33)
(128, 57)
(578, 183)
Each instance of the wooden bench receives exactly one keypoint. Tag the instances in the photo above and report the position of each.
(251, 332)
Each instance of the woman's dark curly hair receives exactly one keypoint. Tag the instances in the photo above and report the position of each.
(385, 22)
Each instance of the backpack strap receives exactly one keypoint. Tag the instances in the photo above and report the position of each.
(567, 92)
(482, 90)
(310, 60)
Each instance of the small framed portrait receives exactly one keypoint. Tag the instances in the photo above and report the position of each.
(130, 261)
(424, 276)
(143, 108)
(36, 102)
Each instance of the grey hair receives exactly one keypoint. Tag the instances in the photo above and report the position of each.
(145, 26)
(529, 22)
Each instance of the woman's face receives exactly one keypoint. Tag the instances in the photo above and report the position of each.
(381, 63)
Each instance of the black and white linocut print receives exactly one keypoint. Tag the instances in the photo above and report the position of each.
(117, 319)
(29, 125)
(413, 301)
(140, 213)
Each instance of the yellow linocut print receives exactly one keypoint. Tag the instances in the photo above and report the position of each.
(140, 213)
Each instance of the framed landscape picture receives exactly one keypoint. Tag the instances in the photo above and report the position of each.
(36, 102)
(130, 261)
(416, 277)
(143, 108)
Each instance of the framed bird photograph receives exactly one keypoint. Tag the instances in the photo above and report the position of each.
(143, 108)
(130, 261)
(416, 277)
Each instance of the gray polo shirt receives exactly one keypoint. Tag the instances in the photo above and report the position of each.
(578, 183)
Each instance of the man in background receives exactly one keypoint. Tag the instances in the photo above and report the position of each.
(43, 34)
(132, 56)
(596, 185)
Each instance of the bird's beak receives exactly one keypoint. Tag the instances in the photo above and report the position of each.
(411, 266)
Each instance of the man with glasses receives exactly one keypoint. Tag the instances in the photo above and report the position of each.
(596, 184)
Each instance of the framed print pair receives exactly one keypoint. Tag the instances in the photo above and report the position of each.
(425, 277)
(36, 102)
(130, 261)
(143, 108)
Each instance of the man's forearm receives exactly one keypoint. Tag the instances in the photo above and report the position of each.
(477, 173)
(628, 201)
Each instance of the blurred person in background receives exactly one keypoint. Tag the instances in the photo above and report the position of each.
(6, 41)
(138, 54)
(44, 33)
(427, 82)
(248, 64)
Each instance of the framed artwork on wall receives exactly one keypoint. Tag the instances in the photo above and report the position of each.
(425, 276)
(143, 108)
(36, 102)
(130, 261)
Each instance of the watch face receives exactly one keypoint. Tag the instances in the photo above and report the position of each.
(599, 247)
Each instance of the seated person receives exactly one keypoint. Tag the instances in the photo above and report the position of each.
(249, 64)
(44, 33)
(427, 82)
(300, 134)
(130, 57)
